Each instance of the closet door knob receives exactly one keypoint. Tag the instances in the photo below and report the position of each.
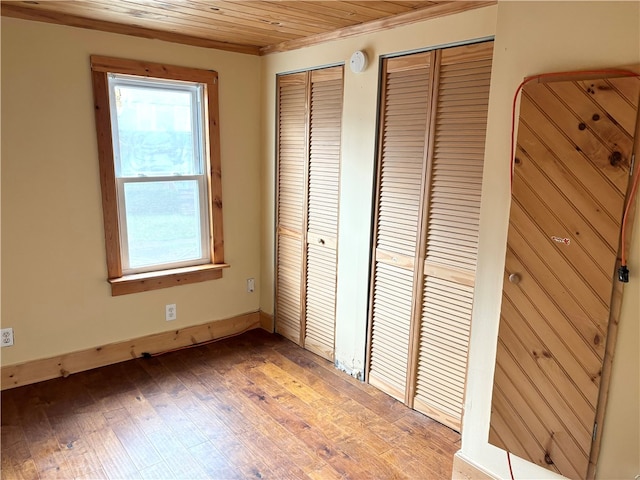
(514, 278)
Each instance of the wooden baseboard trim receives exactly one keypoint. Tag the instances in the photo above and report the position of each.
(266, 322)
(63, 365)
(463, 469)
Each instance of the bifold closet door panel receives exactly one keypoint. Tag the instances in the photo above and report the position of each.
(453, 213)
(309, 137)
(571, 176)
(431, 152)
(405, 106)
(291, 204)
(322, 226)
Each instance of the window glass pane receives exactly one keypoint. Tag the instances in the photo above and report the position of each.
(155, 131)
(163, 223)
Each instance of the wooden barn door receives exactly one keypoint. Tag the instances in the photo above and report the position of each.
(432, 133)
(571, 174)
(309, 134)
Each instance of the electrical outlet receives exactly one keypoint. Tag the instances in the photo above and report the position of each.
(170, 312)
(251, 285)
(6, 337)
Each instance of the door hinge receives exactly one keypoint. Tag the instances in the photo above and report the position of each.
(595, 431)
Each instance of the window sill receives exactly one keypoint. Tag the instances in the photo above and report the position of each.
(144, 282)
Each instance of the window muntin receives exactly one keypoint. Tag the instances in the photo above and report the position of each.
(160, 172)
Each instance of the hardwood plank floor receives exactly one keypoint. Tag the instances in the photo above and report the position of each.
(252, 406)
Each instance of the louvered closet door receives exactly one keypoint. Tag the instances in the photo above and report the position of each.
(322, 229)
(291, 202)
(453, 210)
(309, 134)
(433, 127)
(401, 165)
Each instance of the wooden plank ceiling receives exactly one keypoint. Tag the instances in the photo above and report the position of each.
(248, 26)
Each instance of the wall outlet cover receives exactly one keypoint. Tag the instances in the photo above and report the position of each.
(6, 337)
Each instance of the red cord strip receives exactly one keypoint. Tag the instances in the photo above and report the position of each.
(509, 461)
(622, 73)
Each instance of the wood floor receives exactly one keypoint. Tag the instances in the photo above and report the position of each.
(253, 406)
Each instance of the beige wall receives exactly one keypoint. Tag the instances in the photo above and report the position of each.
(537, 37)
(55, 293)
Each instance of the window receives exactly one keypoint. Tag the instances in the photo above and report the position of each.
(159, 153)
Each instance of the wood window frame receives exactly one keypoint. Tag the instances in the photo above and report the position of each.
(140, 282)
